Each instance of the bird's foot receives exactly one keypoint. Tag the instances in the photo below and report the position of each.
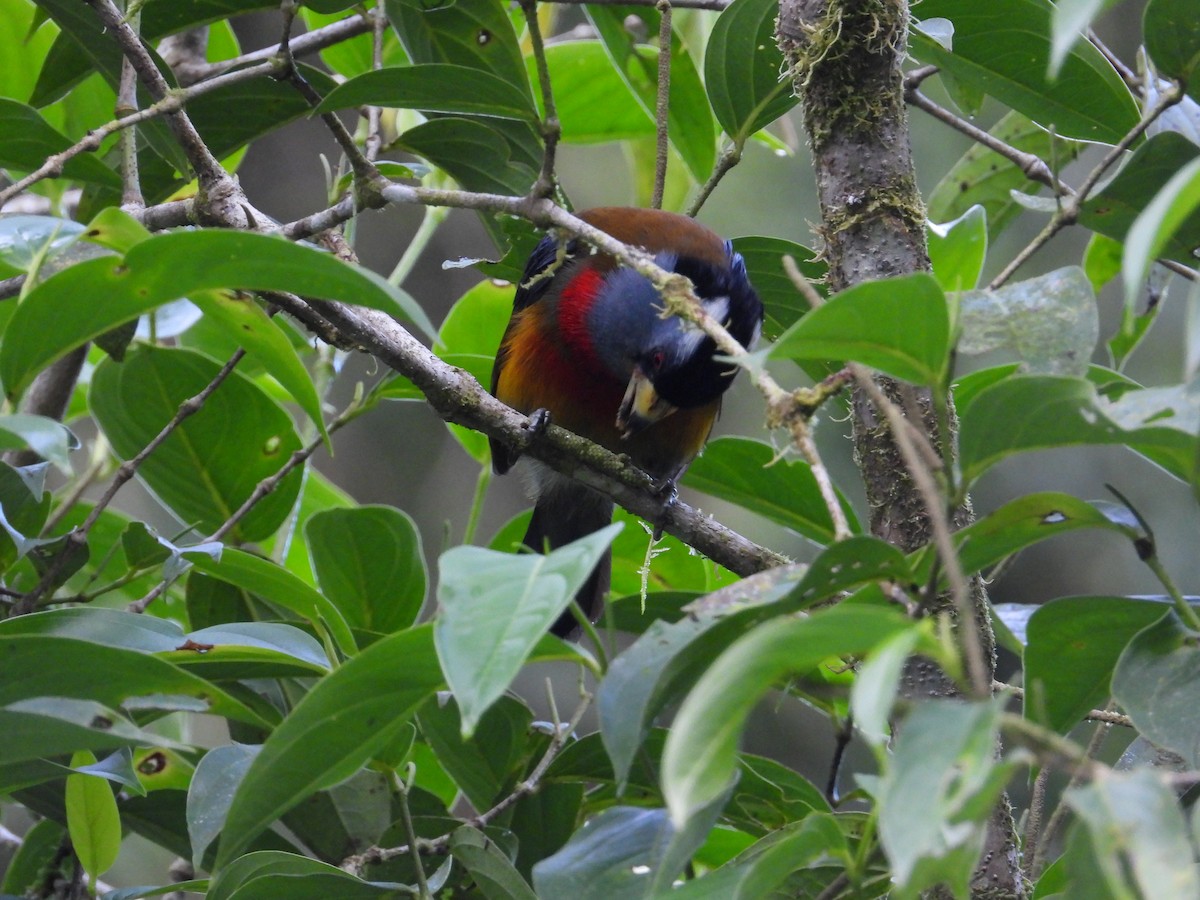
(669, 494)
(536, 424)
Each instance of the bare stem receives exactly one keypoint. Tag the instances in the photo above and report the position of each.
(546, 182)
(662, 105)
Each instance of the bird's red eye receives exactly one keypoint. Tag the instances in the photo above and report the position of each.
(656, 360)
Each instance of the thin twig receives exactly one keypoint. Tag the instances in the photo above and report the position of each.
(663, 104)
(1033, 827)
(715, 5)
(730, 157)
(544, 186)
(1107, 716)
(131, 187)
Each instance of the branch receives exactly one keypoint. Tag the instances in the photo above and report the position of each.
(1068, 213)
(551, 129)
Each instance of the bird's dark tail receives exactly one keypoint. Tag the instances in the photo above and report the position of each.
(564, 515)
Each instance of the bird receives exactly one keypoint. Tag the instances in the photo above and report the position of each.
(588, 347)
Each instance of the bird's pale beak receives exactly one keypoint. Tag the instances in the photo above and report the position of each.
(641, 405)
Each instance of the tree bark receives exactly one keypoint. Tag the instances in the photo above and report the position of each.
(844, 58)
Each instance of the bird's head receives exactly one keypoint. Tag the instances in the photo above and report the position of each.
(667, 362)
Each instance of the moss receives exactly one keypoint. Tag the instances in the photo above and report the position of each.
(839, 54)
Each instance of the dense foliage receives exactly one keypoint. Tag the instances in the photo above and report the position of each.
(370, 745)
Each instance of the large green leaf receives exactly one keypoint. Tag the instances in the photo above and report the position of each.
(211, 463)
(944, 764)
(345, 719)
(1138, 834)
(1113, 210)
(82, 45)
(900, 326)
(477, 156)
(368, 561)
(1073, 647)
(128, 676)
(782, 303)
(1173, 214)
(751, 474)
(473, 33)
(1172, 34)
(92, 819)
(62, 313)
(689, 121)
(1154, 682)
(42, 727)
(280, 587)
(700, 756)
(1039, 412)
(29, 139)
(433, 87)
(1003, 47)
(743, 69)
(493, 608)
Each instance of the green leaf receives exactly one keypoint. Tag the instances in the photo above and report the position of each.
(700, 756)
(338, 726)
(29, 139)
(984, 177)
(957, 249)
(876, 685)
(1172, 37)
(39, 849)
(51, 726)
(653, 673)
(1154, 682)
(266, 342)
(47, 438)
(277, 585)
(945, 765)
(1050, 322)
(268, 875)
(690, 125)
(369, 563)
(743, 69)
(136, 893)
(61, 313)
(1069, 22)
(762, 869)
(854, 561)
(783, 304)
(474, 33)
(1038, 412)
(433, 87)
(593, 99)
(1004, 48)
(1073, 647)
(622, 852)
(1102, 260)
(493, 872)
(482, 767)
(1171, 214)
(1022, 523)
(493, 608)
(900, 326)
(117, 767)
(475, 155)
(752, 474)
(211, 463)
(211, 791)
(1137, 829)
(128, 676)
(1113, 210)
(92, 820)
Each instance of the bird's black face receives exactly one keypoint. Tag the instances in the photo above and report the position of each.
(669, 362)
